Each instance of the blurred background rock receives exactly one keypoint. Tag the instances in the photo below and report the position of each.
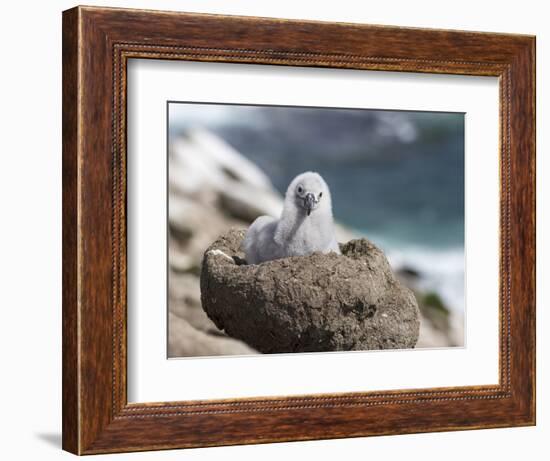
(395, 177)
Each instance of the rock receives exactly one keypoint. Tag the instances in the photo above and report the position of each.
(184, 301)
(440, 326)
(182, 262)
(321, 302)
(205, 159)
(430, 336)
(410, 276)
(221, 155)
(193, 226)
(432, 307)
(186, 341)
(244, 202)
(191, 332)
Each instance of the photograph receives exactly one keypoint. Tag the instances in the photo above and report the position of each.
(313, 229)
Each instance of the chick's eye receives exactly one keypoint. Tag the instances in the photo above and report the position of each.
(300, 189)
(320, 194)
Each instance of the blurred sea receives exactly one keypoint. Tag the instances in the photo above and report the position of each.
(396, 177)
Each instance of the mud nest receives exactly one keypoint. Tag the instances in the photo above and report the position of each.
(316, 303)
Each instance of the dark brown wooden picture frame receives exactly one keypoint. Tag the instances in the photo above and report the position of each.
(97, 44)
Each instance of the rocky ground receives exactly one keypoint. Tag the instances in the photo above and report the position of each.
(213, 188)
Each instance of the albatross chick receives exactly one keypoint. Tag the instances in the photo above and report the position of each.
(305, 226)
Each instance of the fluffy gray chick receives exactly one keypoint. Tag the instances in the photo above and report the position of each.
(305, 225)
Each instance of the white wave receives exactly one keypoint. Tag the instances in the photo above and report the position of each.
(440, 270)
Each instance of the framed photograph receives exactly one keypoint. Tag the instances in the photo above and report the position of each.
(282, 230)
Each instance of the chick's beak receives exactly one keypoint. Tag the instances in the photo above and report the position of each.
(309, 201)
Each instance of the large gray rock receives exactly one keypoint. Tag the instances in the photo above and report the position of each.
(322, 302)
(186, 341)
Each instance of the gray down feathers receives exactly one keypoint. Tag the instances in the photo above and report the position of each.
(305, 226)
